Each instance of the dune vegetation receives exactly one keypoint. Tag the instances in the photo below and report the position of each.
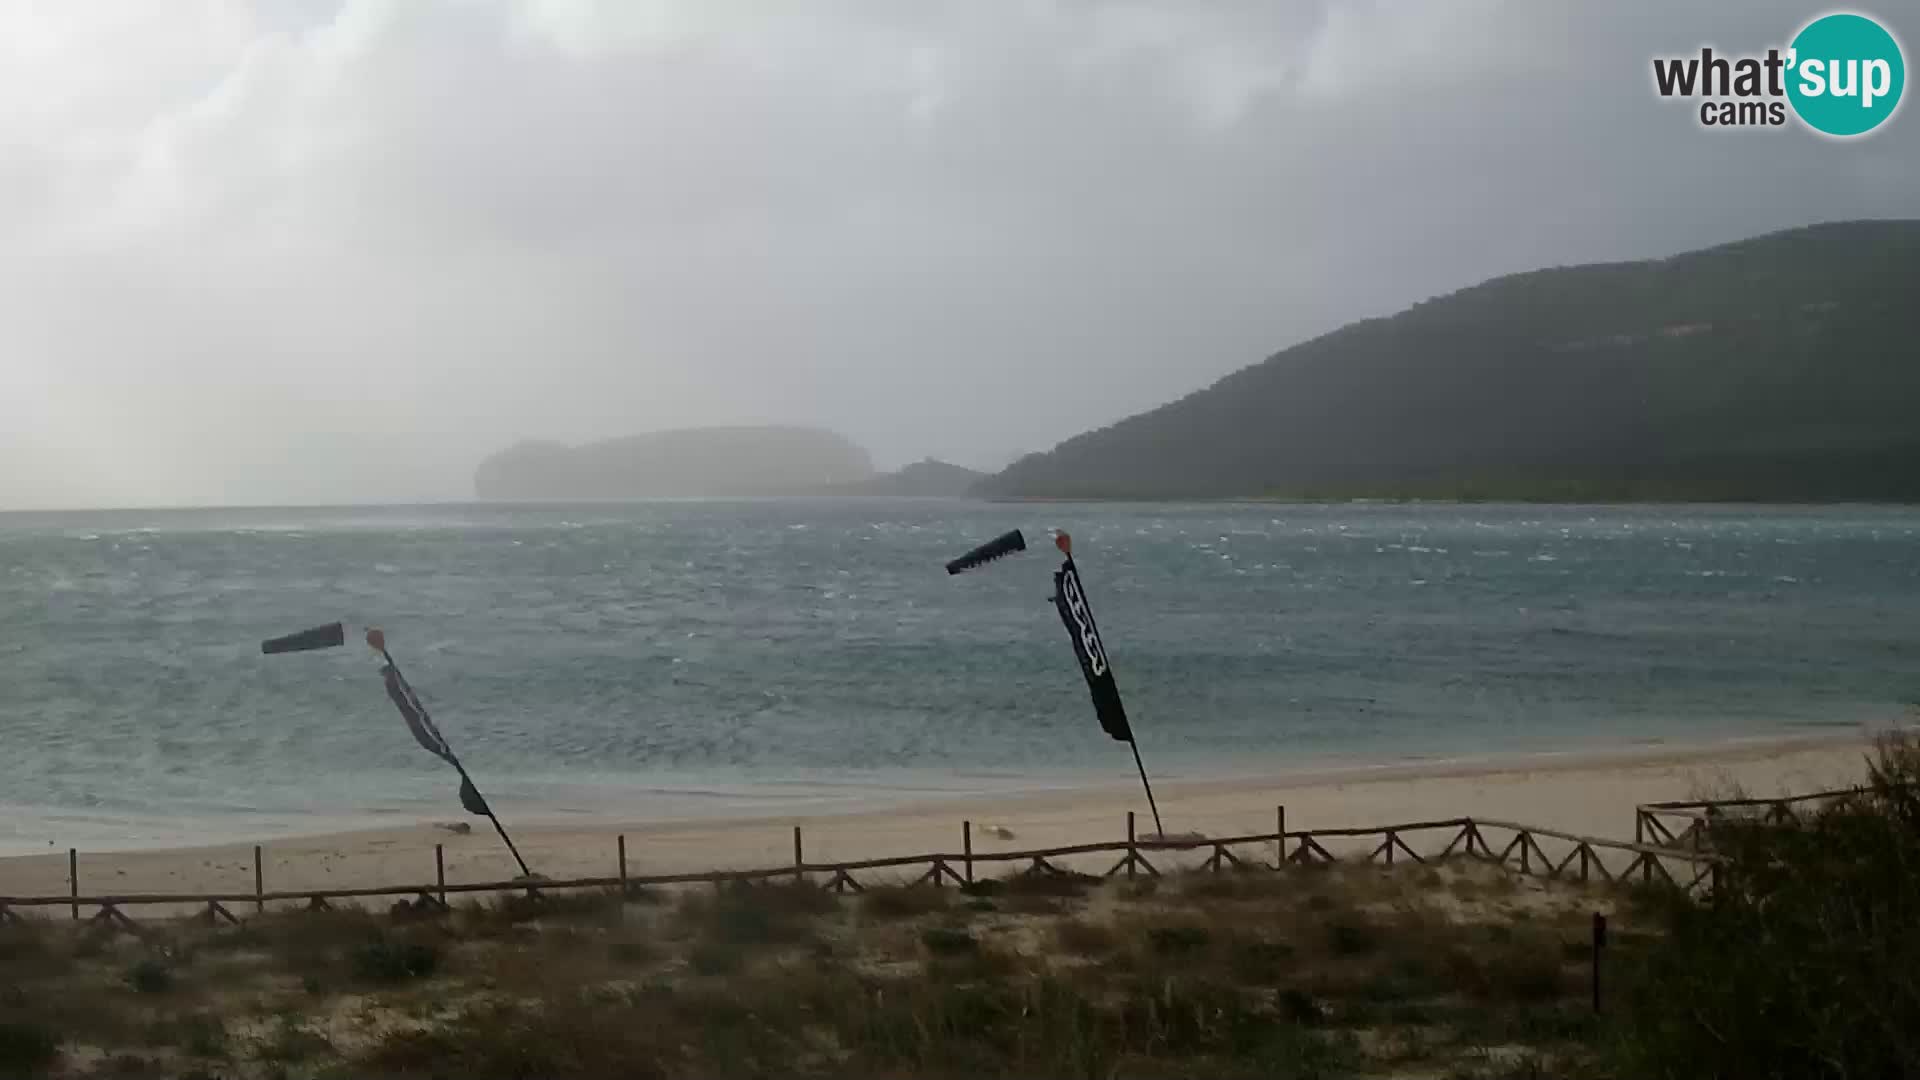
(1801, 965)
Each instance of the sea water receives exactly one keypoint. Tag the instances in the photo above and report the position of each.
(698, 658)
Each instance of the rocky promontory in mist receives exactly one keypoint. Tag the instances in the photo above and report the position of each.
(713, 461)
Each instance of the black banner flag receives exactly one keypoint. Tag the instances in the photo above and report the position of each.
(427, 734)
(1071, 601)
(471, 800)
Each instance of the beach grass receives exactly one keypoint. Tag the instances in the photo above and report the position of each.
(1305, 972)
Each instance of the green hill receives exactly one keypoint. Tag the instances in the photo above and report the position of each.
(1781, 367)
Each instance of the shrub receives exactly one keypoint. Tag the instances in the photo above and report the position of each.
(1299, 1007)
(902, 901)
(290, 1043)
(515, 1042)
(1178, 938)
(756, 914)
(1806, 961)
(392, 960)
(27, 1049)
(201, 1035)
(1260, 962)
(150, 977)
(1352, 937)
(715, 958)
(1059, 884)
(632, 953)
(1083, 938)
(1033, 904)
(26, 950)
(946, 941)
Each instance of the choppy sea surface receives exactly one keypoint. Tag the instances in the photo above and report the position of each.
(697, 658)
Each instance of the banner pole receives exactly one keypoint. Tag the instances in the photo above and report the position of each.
(1151, 805)
(497, 827)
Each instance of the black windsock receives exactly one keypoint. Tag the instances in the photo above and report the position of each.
(320, 637)
(989, 551)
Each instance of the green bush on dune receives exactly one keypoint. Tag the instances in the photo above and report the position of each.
(1806, 965)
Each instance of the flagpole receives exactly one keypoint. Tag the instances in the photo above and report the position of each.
(497, 827)
(1065, 544)
(454, 759)
(1151, 805)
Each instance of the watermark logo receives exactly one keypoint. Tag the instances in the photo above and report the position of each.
(1842, 75)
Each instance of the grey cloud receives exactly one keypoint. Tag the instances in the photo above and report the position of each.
(274, 252)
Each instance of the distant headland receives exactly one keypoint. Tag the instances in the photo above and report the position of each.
(707, 461)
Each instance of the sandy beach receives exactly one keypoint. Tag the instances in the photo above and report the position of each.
(1592, 793)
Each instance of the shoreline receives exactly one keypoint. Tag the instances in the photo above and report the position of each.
(807, 799)
(1586, 791)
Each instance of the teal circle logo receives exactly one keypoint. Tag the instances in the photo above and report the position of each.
(1846, 74)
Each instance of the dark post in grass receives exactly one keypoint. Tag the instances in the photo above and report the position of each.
(966, 847)
(1599, 946)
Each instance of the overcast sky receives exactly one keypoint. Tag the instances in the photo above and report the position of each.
(295, 251)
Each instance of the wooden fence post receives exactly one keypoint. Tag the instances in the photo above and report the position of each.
(799, 876)
(440, 871)
(1599, 946)
(1280, 835)
(1133, 853)
(966, 848)
(259, 883)
(622, 843)
(73, 880)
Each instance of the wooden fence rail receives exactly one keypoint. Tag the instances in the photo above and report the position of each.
(1654, 823)
(1582, 858)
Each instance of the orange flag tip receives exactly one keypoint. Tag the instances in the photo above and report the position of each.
(1063, 542)
(377, 640)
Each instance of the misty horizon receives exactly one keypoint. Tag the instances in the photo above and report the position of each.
(288, 254)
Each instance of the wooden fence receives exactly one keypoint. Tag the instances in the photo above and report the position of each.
(1511, 846)
(1683, 824)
